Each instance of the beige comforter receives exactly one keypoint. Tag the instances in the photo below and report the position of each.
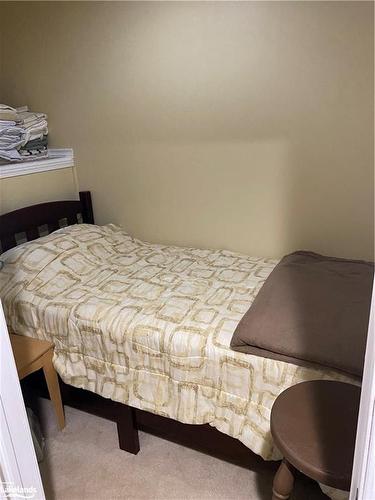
(150, 326)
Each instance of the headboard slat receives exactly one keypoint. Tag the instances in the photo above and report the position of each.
(8, 241)
(53, 226)
(72, 219)
(32, 233)
(87, 211)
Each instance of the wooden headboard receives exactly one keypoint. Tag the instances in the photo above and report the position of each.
(29, 220)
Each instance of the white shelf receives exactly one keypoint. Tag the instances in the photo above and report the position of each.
(58, 158)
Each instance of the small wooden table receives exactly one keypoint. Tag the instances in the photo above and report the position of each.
(33, 354)
(314, 424)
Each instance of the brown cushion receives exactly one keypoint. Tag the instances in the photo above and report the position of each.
(312, 310)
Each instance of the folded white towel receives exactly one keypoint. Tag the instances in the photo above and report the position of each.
(17, 127)
(5, 107)
(34, 125)
(10, 155)
(12, 137)
(7, 112)
(16, 137)
(35, 132)
(12, 130)
(26, 117)
(7, 123)
(22, 109)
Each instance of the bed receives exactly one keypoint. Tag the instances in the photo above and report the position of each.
(142, 331)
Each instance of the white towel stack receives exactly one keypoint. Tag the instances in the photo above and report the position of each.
(11, 136)
(23, 134)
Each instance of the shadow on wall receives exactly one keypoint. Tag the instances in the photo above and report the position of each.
(206, 194)
(261, 198)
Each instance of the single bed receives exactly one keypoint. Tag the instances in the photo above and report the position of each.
(146, 328)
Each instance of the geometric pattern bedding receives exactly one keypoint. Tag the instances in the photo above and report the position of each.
(150, 326)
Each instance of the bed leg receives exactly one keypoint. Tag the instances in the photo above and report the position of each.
(127, 429)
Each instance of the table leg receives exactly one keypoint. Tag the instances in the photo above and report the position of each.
(283, 482)
(53, 388)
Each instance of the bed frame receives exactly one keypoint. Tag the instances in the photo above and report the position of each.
(28, 221)
(31, 220)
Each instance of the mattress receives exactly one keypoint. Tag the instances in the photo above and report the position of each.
(150, 326)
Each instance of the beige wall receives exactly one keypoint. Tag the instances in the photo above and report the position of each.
(247, 126)
(17, 192)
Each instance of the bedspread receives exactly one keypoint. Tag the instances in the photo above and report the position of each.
(150, 326)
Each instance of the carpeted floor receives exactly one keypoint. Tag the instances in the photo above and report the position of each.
(83, 462)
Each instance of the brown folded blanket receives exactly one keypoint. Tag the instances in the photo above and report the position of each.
(312, 310)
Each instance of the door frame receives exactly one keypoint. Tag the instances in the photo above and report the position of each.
(363, 476)
(19, 471)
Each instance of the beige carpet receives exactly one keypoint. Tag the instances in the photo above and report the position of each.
(84, 462)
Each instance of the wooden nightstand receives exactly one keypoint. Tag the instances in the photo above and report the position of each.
(31, 355)
(314, 426)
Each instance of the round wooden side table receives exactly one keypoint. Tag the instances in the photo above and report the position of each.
(313, 424)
